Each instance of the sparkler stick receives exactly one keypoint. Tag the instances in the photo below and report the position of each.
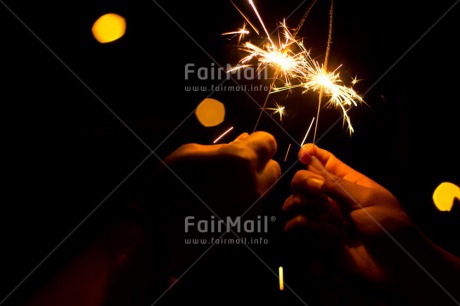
(326, 60)
(304, 17)
(308, 132)
(245, 18)
(276, 73)
(299, 26)
(264, 104)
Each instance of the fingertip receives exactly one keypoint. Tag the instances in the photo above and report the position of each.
(268, 138)
(242, 136)
(306, 153)
(296, 223)
(277, 168)
(264, 144)
(315, 185)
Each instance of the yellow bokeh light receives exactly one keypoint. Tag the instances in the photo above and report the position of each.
(445, 195)
(108, 28)
(281, 277)
(210, 112)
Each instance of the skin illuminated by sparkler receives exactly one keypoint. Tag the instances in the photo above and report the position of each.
(295, 68)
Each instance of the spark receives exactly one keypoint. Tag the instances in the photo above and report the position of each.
(281, 57)
(295, 68)
(355, 81)
(278, 109)
(332, 87)
(245, 18)
(287, 152)
(240, 33)
(222, 135)
(260, 20)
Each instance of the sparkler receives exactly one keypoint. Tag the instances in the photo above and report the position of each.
(294, 68)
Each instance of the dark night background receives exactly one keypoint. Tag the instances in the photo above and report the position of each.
(64, 151)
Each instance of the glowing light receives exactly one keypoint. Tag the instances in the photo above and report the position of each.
(108, 28)
(355, 81)
(278, 109)
(222, 135)
(278, 56)
(287, 152)
(445, 195)
(240, 33)
(245, 18)
(295, 68)
(331, 85)
(281, 277)
(210, 112)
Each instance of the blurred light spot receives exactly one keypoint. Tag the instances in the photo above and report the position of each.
(444, 196)
(109, 27)
(281, 277)
(210, 112)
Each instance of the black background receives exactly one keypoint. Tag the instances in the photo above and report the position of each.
(64, 150)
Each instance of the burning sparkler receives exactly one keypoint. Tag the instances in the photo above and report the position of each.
(295, 68)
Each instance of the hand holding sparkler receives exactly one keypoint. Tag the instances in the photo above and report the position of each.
(215, 181)
(356, 226)
(230, 174)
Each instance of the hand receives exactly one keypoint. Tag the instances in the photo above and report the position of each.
(360, 227)
(229, 178)
(214, 181)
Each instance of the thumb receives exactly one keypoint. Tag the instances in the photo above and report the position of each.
(242, 136)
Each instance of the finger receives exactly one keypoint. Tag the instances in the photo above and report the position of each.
(321, 230)
(307, 182)
(319, 236)
(342, 183)
(269, 175)
(331, 163)
(312, 207)
(263, 144)
(349, 194)
(293, 204)
(299, 222)
(242, 136)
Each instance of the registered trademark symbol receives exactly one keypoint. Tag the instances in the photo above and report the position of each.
(273, 218)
